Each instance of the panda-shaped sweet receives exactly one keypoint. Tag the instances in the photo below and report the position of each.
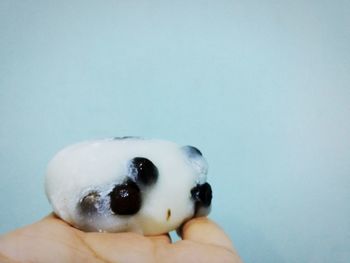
(128, 184)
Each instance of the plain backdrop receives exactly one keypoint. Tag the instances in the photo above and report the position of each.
(260, 87)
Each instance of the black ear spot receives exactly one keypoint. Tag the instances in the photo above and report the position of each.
(202, 195)
(90, 203)
(192, 151)
(126, 137)
(143, 171)
(126, 198)
(196, 159)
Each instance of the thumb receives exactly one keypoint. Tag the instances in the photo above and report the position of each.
(204, 230)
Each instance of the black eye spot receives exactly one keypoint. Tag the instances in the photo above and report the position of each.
(89, 204)
(144, 171)
(202, 194)
(126, 199)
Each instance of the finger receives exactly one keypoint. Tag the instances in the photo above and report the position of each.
(52, 218)
(52, 215)
(4, 259)
(161, 239)
(203, 230)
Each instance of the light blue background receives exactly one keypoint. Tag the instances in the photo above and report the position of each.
(261, 87)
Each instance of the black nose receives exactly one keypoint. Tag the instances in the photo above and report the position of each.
(202, 195)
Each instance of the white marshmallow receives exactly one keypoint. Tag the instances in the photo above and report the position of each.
(97, 167)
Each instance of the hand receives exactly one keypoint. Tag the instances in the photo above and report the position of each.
(53, 240)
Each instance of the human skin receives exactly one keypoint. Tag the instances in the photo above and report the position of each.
(53, 240)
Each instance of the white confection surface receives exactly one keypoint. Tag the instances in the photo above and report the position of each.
(100, 165)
